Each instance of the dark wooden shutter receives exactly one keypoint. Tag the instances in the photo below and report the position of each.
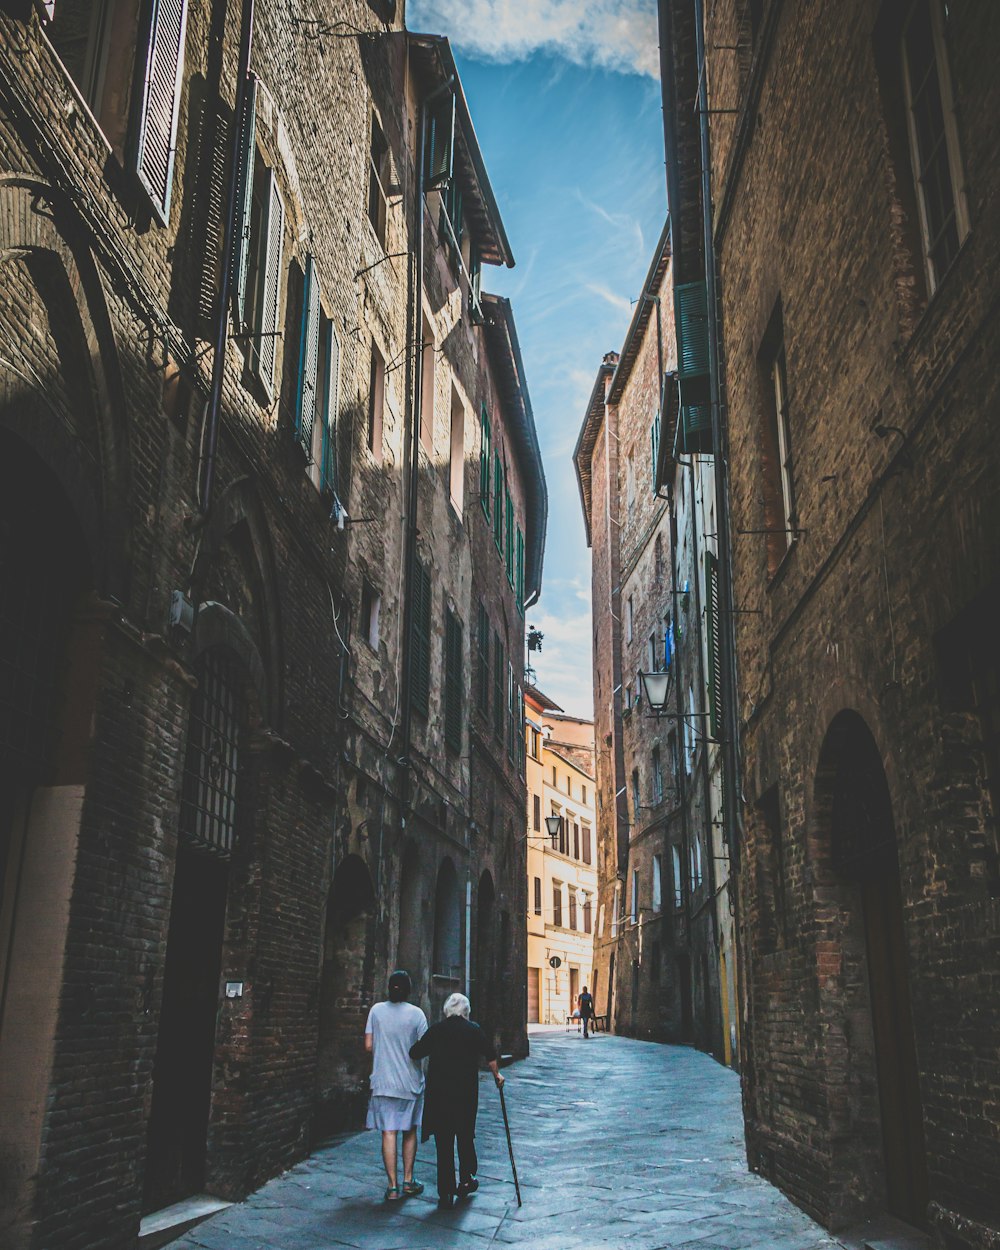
(484, 462)
(484, 660)
(331, 407)
(509, 536)
(586, 844)
(244, 203)
(452, 681)
(498, 708)
(440, 144)
(536, 813)
(305, 404)
(420, 643)
(269, 283)
(519, 579)
(156, 138)
(497, 497)
(714, 652)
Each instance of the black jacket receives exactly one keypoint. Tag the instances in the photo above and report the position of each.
(454, 1046)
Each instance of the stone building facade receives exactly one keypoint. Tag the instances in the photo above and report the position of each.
(858, 323)
(665, 934)
(236, 617)
(562, 870)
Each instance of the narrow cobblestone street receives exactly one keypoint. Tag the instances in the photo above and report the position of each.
(618, 1144)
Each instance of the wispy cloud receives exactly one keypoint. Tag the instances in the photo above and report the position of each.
(611, 34)
(564, 666)
(610, 297)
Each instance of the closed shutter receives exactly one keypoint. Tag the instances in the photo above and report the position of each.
(484, 660)
(498, 710)
(420, 643)
(519, 582)
(331, 408)
(520, 731)
(244, 202)
(536, 813)
(484, 462)
(266, 327)
(497, 496)
(305, 404)
(509, 537)
(511, 741)
(586, 844)
(714, 652)
(452, 681)
(156, 139)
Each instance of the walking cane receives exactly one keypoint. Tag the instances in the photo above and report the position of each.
(510, 1148)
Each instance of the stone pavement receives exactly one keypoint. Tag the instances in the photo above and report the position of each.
(619, 1144)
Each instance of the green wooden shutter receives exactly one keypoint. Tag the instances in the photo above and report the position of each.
(484, 660)
(691, 304)
(244, 203)
(331, 408)
(509, 536)
(269, 283)
(439, 144)
(510, 711)
(519, 584)
(712, 620)
(452, 681)
(484, 461)
(305, 404)
(156, 136)
(498, 709)
(497, 496)
(420, 643)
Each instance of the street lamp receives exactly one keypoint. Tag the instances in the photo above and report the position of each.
(552, 825)
(655, 685)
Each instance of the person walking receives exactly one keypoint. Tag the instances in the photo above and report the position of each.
(454, 1047)
(397, 1082)
(585, 1004)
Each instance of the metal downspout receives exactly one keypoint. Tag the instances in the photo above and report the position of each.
(213, 410)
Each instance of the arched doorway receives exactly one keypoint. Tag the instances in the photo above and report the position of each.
(177, 1132)
(409, 948)
(483, 1006)
(346, 994)
(882, 1157)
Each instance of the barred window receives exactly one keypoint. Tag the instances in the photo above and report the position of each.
(208, 808)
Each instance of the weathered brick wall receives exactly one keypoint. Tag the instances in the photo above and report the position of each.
(898, 537)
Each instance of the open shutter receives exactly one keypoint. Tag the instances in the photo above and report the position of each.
(420, 645)
(714, 652)
(453, 682)
(156, 137)
(244, 202)
(266, 328)
(484, 461)
(305, 404)
(440, 144)
(331, 409)
(497, 497)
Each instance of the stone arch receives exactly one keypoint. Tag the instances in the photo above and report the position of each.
(874, 1108)
(85, 440)
(345, 997)
(236, 573)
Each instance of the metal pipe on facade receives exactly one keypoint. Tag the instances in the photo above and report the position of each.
(213, 409)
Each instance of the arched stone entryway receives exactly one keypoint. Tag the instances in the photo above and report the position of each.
(346, 994)
(876, 1120)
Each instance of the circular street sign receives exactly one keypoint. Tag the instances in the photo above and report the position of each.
(555, 962)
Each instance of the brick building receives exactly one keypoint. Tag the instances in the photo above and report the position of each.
(236, 614)
(851, 157)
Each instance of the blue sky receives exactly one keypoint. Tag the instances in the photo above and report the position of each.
(567, 112)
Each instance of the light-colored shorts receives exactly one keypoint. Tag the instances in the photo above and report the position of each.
(394, 1115)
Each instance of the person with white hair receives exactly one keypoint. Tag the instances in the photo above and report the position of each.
(454, 1047)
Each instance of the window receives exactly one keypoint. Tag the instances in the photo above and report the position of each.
(588, 915)
(572, 909)
(511, 721)
(376, 402)
(713, 622)
(317, 386)
(211, 765)
(483, 642)
(695, 857)
(456, 461)
(576, 840)
(520, 732)
(519, 572)
(562, 830)
(485, 443)
(509, 535)
(651, 654)
(378, 171)
(453, 684)
(636, 805)
(629, 619)
(557, 916)
(634, 906)
(323, 467)
(933, 139)
(654, 449)
(657, 776)
(630, 480)
(420, 641)
(586, 844)
(616, 912)
(779, 494)
(657, 898)
(675, 762)
(658, 559)
(309, 339)
(583, 794)
(267, 230)
(428, 358)
(538, 896)
(600, 921)
(555, 778)
(675, 861)
(536, 812)
(243, 226)
(498, 480)
(498, 670)
(371, 603)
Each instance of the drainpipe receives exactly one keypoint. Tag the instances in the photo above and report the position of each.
(411, 454)
(212, 412)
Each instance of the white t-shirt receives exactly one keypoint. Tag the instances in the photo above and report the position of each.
(394, 1028)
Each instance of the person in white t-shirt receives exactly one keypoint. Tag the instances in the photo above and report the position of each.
(397, 1081)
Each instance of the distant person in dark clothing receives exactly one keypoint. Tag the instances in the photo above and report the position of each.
(585, 1003)
(454, 1046)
